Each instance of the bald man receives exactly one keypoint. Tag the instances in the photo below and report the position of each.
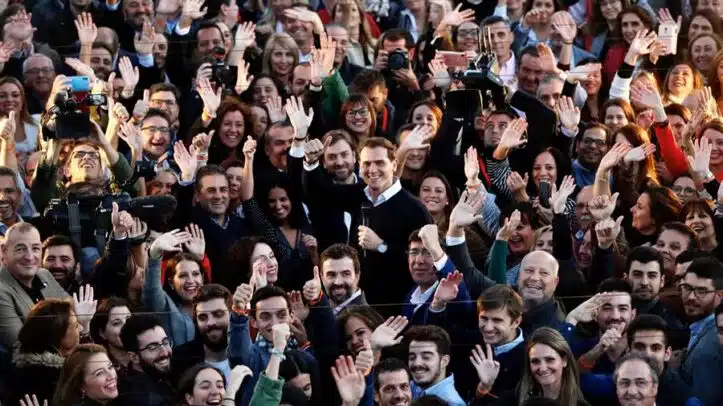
(22, 282)
(536, 284)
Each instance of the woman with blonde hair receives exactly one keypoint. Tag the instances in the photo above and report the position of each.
(281, 55)
(550, 372)
(350, 14)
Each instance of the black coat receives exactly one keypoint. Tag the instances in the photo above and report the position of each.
(33, 373)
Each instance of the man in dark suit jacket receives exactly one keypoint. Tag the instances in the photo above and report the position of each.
(340, 273)
(702, 363)
(22, 282)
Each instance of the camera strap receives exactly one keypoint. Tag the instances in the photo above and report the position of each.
(74, 221)
(100, 232)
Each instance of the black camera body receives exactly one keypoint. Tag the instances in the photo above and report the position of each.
(72, 120)
(398, 59)
(220, 72)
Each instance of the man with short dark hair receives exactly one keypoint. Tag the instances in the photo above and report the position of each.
(702, 365)
(156, 134)
(373, 84)
(147, 380)
(403, 85)
(340, 274)
(592, 144)
(61, 257)
(644, 271)
(429, 356)
(392, 383)
(22, 280)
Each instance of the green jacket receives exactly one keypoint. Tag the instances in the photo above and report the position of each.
(267, 392)
(335, 94)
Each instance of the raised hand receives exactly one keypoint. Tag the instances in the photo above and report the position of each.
(548, 62)
(87, 30)
(131, 135)
(440, 74)
(205, 71)
(565, 26)
(309, 242)
(6, 51)
(140, 109)
(602, 207)
(122, 221)
(259, 273)
(138, 230)
(298, 308)
(582, 73)
(418, 138)
(168, 242)
(275, 109)
(386, 334)
(144, 40)
(640, 153)
(186, 159)
(485, 365)
(193, 9)
(280, 334)
(607, 232)
(700, 164)
(559, 197)
(510, 227)
(211, 99)
(299, 119)
(312, 287)
(130, 76)
(646, 96)
(245, 37)
(369, 239)
(447, 290)
(668, 24)
(512, 136)
(81, 68)
(568, 113)
(641, 43)
(249, 149)
(471, 167)
(587, 311)
(534, 16)
(364, 361)
(196, 245)
(610, 338)
(456, 17)
(517, 185)
(202, 142)
(298, 330)
(85, 305)
(243, 79)
(468, 210)
(349, 381)
(614, 157)
(314, 149)
(29, 400)
(7, 127)
(301, 14)
(242, 296)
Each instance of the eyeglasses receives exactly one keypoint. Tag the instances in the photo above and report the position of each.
(153, 129)
(468, 33)
(639, 383)
(699, 292)
(593, 141)
(688, 191)
(154, 347)
(417, 252)
(83, 154)
(44, 71)
(358, 112)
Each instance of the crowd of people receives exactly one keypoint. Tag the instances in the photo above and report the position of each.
(390, 202)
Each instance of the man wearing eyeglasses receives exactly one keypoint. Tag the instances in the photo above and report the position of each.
(156, 134)
(636, 381)
(702, 364)
(149, 352)
(38, 77)
(591, 148)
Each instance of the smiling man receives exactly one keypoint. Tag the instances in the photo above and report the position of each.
(591, 146)
(429, 356)
(340, 274)
(22, 281)
(392, 385)
(636, 381)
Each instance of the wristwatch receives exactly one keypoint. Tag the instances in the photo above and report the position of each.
(382, 248)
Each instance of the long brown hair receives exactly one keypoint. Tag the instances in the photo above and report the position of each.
(45, 326)
(358, 98)
(68, 389)
(570, 393)
(24, 115)
(697, 78)
(636, 136)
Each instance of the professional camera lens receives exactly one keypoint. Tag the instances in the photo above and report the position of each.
(398, 60)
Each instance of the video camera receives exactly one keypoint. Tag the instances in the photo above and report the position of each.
(71, 109)
(79, 215)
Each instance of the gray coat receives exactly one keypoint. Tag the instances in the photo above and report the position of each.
(15, 303)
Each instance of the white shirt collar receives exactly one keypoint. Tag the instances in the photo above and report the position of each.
(386, 195)
(501, 349)
(418, 298)
(508, 70)
(345, 303)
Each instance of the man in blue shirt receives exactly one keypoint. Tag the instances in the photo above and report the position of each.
(429, 355)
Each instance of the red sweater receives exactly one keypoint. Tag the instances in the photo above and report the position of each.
(672, 155)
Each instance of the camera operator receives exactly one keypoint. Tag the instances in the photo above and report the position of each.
(402, 83)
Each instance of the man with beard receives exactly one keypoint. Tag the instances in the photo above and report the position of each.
(38, 77)
(429, 356)
(372, 84)
(702, 364)
(636, 381)
(592, 145)
(392, 383)
(340, 273)
(332, 223)
(499, 314)
(211, 315)
(61, 257)
(101, 61)
(147, 380)
(611, 309)
(647, 337)
(14, 199)
(644, 272)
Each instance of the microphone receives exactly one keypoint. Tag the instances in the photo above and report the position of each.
(366, 208)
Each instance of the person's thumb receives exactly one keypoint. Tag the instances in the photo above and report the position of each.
(367, 345)
(614, 199)
(316, 274)
(618, 221)
(114, 210)
(327, 142)
(690, 160)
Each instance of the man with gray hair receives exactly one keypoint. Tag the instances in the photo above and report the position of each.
(536, 283)
(38, 76)
(636, 380)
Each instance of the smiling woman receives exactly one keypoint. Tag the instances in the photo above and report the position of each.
(202, 384)
(87, 373)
